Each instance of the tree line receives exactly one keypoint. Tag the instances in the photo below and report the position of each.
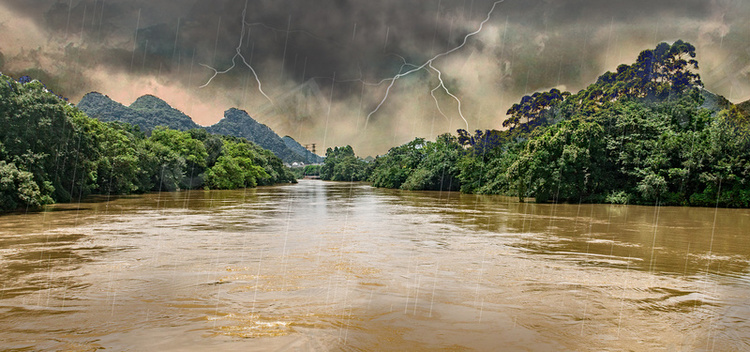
(52, 152)
(646, 134)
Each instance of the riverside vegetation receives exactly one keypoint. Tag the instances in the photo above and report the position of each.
(50, 152)
(646, 134)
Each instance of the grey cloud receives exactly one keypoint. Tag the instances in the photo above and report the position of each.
(546, 43)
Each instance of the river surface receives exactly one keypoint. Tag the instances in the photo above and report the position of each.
(346, 267)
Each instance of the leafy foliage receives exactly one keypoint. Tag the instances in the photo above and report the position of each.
(482, 143)
(646, 134)
(17, 188)
(51, 152)
(311, 170)
(45, 136)
(420, 164)
(307, 170)
(342, 165)
(148, 112)
(534, 108)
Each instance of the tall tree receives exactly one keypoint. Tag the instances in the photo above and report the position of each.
(533, 108)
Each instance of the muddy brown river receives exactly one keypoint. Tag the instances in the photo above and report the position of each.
(346, 267)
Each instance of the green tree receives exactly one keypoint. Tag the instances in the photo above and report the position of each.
(192, 152)
(240, 166)
(392, 169)
(534, 108)
(341, 164)
(18, 189)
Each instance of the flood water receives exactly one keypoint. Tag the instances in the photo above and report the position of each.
(339, 266)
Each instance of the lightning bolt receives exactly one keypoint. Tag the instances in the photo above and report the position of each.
(432, 92)
(238, 53)
(428, 63)
(442, 85)
(405, 64)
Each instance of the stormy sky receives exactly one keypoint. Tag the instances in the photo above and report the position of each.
(127, 48)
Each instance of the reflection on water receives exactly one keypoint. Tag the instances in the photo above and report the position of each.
(341, 266)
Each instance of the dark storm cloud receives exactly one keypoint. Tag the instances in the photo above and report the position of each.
(339, 36)
(526, 46)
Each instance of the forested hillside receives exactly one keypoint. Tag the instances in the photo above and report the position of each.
(50, 151)
(648, 133)
(238, 123)
(744, 108)
(148, 112)
(310, 158)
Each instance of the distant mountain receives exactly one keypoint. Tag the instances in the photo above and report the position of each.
(100, 106)
(299, 149)
(146, 112)
(149, 111)
(159, 113)
(745, 107)
(714, 102)
(239, 124)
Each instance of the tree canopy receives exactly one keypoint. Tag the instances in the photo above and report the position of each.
(341, 164)
(645, 134)
(52, 152)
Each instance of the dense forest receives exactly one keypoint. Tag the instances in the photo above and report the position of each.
(50, 152)
(647, 133)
